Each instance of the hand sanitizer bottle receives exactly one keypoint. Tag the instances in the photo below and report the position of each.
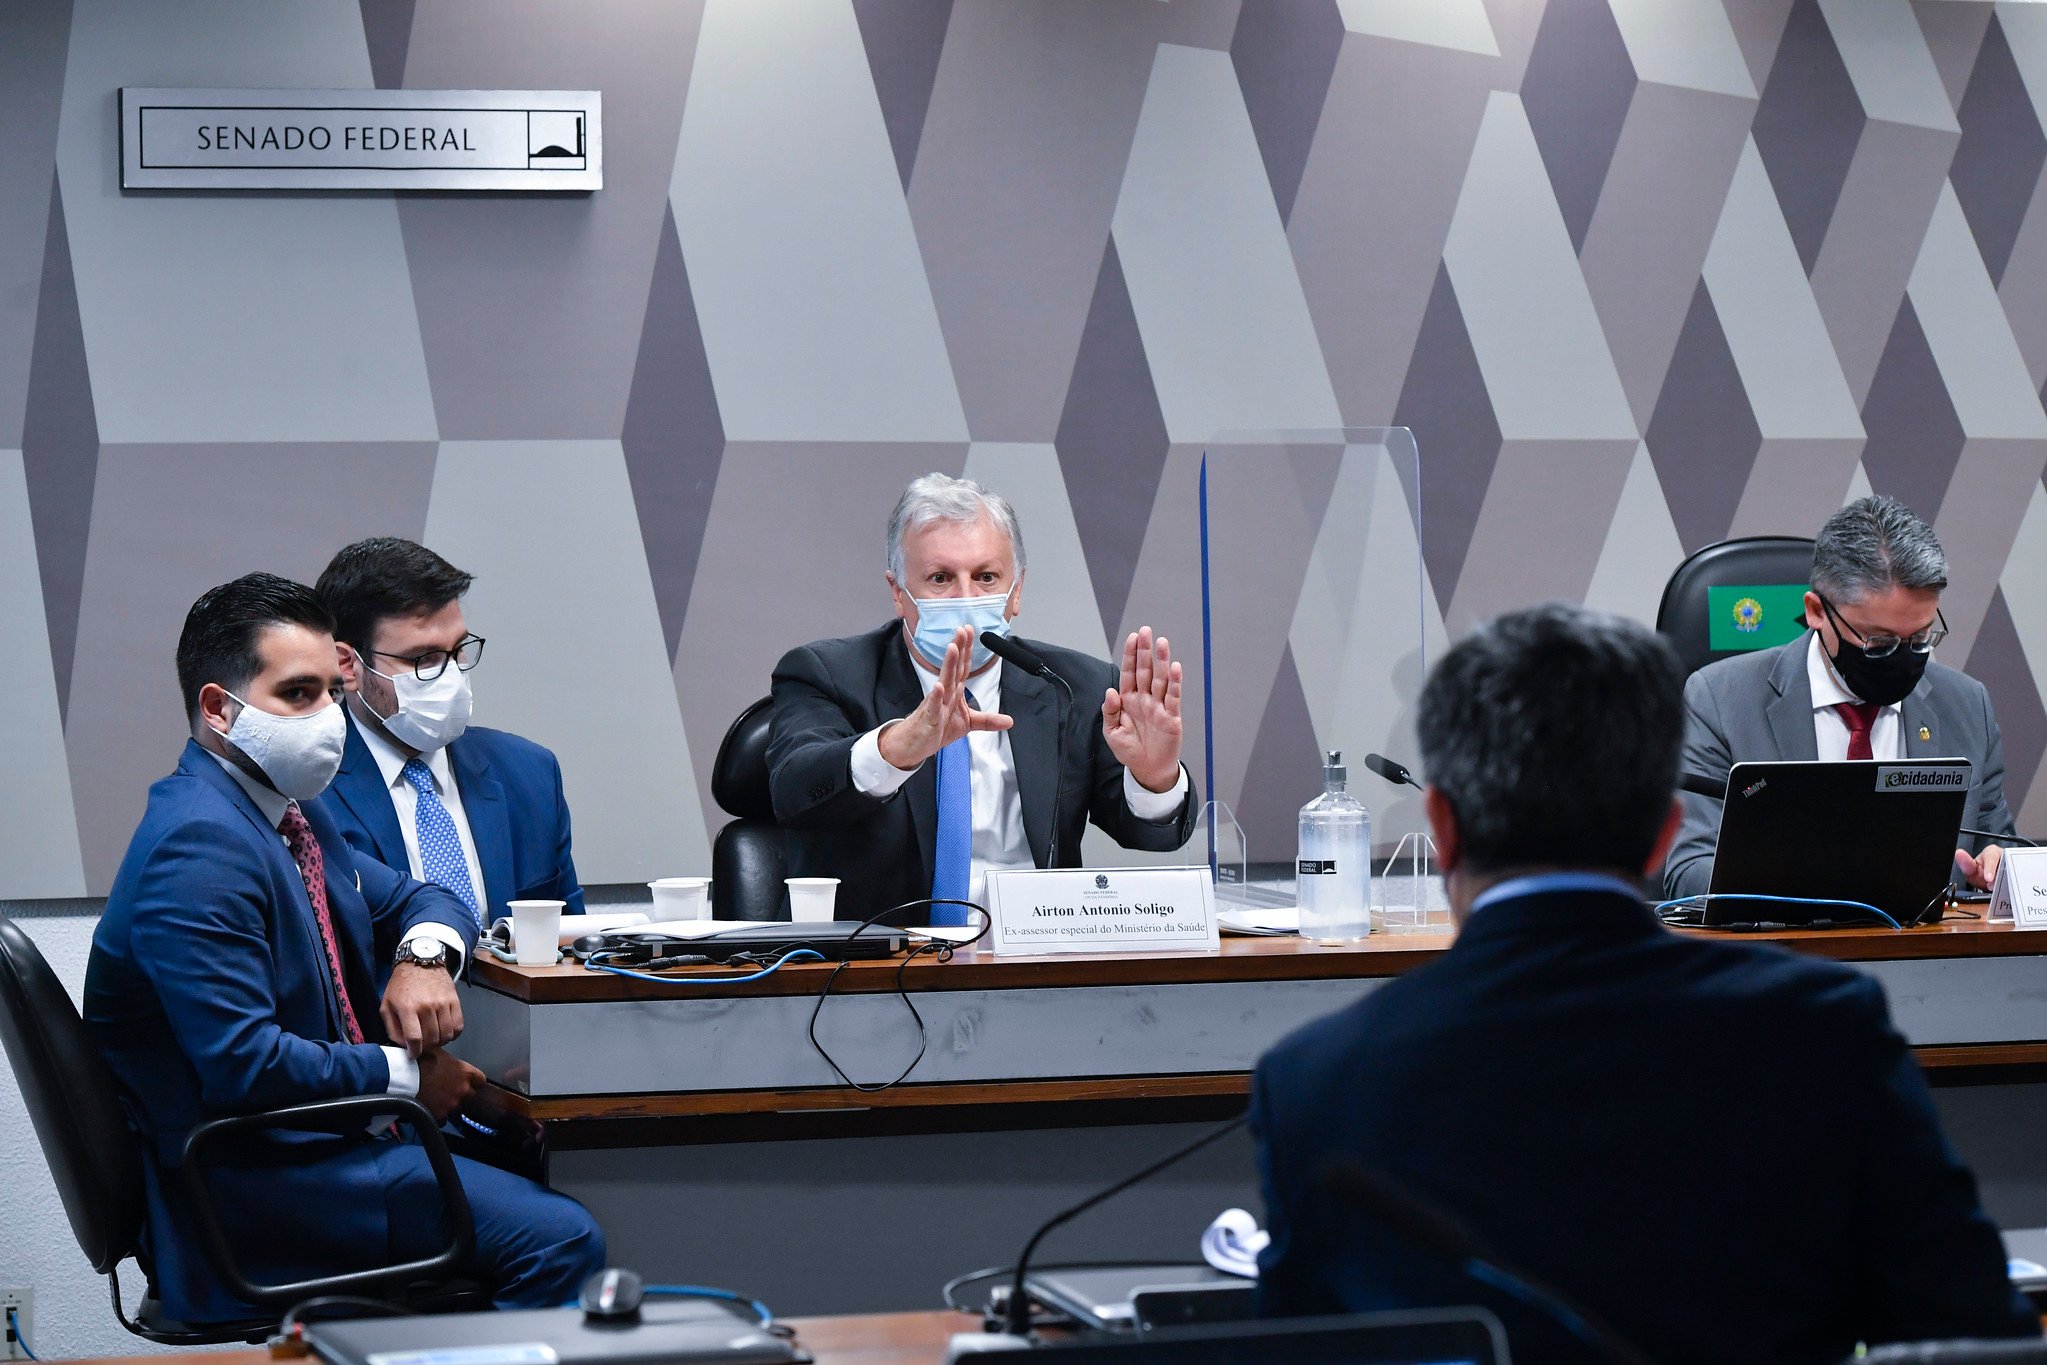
(1333, 877)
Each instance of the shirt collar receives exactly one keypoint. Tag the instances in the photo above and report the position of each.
(391, 763)
(1550, 883)
(986, 687)
(1827, 688)
(272, 803)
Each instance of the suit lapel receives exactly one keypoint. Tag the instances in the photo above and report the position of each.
(1790, 711)
(896, 694)
(1034, 749)
(490, 824)
(359, 786)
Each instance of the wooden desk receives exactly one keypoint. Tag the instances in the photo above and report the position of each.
(568, 1044)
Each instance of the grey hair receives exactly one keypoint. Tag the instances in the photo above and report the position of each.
(941, 497)
(1872, 545)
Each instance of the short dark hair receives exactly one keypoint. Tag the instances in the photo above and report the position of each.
(1554, 734)
(218, 643)
(1872, 545)
(382, 577)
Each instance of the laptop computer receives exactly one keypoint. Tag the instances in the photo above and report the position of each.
(670, 1330)
(1883, 834)
(1452, 1336)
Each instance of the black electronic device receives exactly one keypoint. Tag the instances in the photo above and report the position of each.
(1456, 1336)
(833, 940)
(669, 1332)
(1860, 831)
(1106, 1296)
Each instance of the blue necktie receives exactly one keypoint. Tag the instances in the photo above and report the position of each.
(440, 848)
(952, 848)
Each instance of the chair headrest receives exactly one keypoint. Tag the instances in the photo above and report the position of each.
(739, 777)
(72, 1101)
(1684, 614)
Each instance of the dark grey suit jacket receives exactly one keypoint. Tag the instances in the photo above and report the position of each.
(829, 693)
(1758, 708)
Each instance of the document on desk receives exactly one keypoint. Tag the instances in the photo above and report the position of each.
(1267, 920)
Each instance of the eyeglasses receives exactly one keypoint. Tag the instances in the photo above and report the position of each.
(1883, 646)
(434, 662)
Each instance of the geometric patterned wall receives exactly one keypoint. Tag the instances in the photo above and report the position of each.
(1639, 274)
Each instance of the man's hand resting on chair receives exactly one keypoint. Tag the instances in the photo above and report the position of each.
(445, 1082)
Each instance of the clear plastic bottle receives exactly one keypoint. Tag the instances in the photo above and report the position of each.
(1334, 875)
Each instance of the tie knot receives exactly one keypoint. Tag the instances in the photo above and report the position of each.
(293, 826)
(1859, 716)
(417, 773)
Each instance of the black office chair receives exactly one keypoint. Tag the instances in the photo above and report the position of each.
(1685, 616)
(96, 1161)
(750, 858)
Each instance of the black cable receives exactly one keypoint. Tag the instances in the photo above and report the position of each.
(295, 1321)
(943, 948)
(953, 1285)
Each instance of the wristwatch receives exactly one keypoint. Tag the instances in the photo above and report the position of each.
(422, 950)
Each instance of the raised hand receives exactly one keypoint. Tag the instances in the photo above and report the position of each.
(1141, 716)
(943, 716)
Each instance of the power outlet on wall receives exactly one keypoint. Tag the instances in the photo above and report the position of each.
(22, 1303)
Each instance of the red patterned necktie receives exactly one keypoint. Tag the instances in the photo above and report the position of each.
(1860, 718)
(305, 851)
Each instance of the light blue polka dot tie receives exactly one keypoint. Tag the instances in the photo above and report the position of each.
(440, 848)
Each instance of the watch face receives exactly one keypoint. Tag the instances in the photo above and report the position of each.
(426, 947)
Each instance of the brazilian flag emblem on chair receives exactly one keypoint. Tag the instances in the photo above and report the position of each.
(1754, 615)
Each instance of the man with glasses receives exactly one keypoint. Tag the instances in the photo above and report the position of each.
(1861, 684)
(478, 811)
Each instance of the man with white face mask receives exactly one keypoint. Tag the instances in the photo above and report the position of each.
(248, 959)
(478, 811)
(910, 762)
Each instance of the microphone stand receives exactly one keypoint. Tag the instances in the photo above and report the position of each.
(1030, 661)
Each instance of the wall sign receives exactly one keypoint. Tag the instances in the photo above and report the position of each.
(1102, 910)
(361, 139)
(2020, 892)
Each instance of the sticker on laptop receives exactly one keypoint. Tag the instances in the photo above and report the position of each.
(1906, 777)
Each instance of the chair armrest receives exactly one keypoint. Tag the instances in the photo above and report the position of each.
(349, 1113)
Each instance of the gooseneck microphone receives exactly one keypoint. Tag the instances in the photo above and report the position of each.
(1423, 1223)
(1392, 772)
(1030, 661)
(1019, 1323)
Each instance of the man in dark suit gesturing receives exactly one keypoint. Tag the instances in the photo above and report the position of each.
(247, 959)
(910, 762)
(478, 811)
(1722, 1149)
(1861, 683)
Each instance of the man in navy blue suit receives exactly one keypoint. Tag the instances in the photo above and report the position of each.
(1722, 1149)
(247, 959)
(478, 811)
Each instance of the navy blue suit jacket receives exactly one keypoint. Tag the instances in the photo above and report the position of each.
(208, 992)
(511, 793)
(1724, 1149)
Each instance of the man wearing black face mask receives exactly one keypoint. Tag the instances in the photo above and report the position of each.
(1862, 683)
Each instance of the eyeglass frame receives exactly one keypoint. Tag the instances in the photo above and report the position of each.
(1883, 646)
(447, 656)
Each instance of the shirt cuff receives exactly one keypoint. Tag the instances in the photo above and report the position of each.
(1156, 807)
(447, 935)
(872, 773)
(404, 1072)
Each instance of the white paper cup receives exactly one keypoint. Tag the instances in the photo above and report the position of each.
(811, 898)
(681, 897)
(536, 931)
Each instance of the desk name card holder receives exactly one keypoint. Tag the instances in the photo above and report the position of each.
(1102, 910)
(2020, 893)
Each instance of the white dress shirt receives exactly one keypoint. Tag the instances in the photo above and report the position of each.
(405, 801)
(999, 839)
(404, 1070)
(1886, 736)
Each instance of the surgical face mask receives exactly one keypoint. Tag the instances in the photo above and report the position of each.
(939, 617)
(429, 714)
(299, 754)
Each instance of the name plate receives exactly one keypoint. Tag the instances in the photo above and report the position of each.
(1102, 910)
(361, 139)
(2020, 892)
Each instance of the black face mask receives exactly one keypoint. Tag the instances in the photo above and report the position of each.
(1878, 681)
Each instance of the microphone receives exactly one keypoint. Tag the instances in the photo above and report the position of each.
(1392, 772)
(1435, 1229)
(1030, 661)
(1700, 785)
(1019, 1319)
(2001, 838)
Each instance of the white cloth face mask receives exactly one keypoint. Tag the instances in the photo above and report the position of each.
(429, 714)
(299, 754)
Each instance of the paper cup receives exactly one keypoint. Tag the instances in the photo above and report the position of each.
(811, 898)
(681, 897)
(536, 932)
